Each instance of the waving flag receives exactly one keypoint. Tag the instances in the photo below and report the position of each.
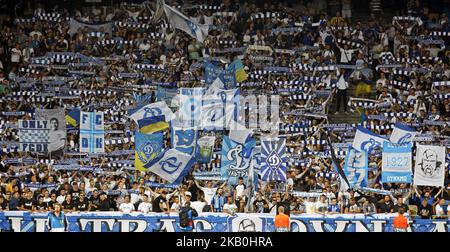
(273, 160)
(150, 110)
(356, 167)
(73, 117)
(184, 23)
(204, 149)
(92, 132)
(148, 147)
(183, 140)
(396, 163)
(366, 140)
(402, 134)
(153, 124)
(235, 159)
(238, 69)
(173, 166)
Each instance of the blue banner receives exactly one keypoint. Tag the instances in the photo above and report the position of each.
(356, 167)
(19, 221)
(396, 163)
(183, 140)
(235, 160)
(273, 160)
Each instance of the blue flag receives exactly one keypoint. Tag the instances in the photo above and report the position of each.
(273, 160)
(356, 167)
(148, 148)
(235, 161)
(183, 140)
(396, 163)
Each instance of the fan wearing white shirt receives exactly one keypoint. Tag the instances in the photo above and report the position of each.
(126, 207)
(145, 206)
(229, 207)
(209, 190)
(240, 188)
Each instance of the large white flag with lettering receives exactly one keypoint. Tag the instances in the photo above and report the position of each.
(430, 165)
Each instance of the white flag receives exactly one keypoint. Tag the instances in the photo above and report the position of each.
(402, 134)
(430, 165)
(150, 110)
(92, 132)
(366, 140)
(182, 22)
(173, 166)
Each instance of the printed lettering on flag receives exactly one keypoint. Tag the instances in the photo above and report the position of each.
(235, 159)
(92, 132)
(34, 135)
(396, 163)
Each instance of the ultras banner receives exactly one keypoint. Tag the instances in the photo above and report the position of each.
(214, 222)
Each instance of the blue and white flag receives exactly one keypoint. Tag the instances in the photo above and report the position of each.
(92, 132)
(235, 160)
(173, 166)
(151, 110)
(273, 160)
(148, 148)
(220, 109)
(190, 110)
(366, 140)
(396, 163)
(184, 23)
(183, 140)
(402, 134)
(356, 167)
(34, 135)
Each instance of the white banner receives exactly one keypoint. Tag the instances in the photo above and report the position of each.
(430, 165)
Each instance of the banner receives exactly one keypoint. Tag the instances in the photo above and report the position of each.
(92, 132)
(220, 109)
(235, 159)
(396, 163)
(148, 147)
(166, 94)
(152, 109)
(402, 134)
(430, 165)
(34, 135)
(273, 160)
(367, 140)
(173, 166)
(190, 111)
(76, 25)
(356, 167)
(21, 221)
(186, 24)
(204, 149)
(183, 140)
(57, 134)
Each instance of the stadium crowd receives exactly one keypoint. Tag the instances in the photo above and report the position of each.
(317, 57)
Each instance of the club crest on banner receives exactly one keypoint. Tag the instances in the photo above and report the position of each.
(273, 160)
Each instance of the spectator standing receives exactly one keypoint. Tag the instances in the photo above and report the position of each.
(282, 221)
